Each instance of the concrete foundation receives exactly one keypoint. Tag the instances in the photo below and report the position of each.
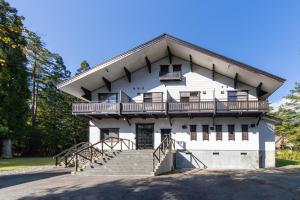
(217, 159)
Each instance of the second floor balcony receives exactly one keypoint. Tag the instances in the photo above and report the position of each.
(208, 107)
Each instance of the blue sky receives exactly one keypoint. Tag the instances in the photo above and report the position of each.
(264, 34)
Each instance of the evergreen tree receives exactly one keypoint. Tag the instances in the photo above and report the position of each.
(290, 115)
(14, 91)
(84, 65)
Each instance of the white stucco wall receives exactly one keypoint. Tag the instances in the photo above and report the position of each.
(181, 134)
(198, 80)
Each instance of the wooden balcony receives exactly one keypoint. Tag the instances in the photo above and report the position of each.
(202, 108)
(129, 108)
(252, 105)
(170, 76)
(95, 108)
(192, 107)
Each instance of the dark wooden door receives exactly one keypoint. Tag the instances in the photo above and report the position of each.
(144, 136)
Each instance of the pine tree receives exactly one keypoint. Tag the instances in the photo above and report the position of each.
(84, 65)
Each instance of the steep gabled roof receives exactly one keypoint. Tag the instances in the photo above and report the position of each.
(155, 50)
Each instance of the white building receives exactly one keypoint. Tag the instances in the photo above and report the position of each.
(213, 107)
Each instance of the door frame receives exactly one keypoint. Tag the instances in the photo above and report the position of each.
(136, 135)
(165, 129)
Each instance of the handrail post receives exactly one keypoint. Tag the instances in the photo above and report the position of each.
(56, 161)
(121, 145)
(76, 162)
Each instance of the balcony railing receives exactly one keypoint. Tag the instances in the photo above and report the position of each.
(170, 76)
(241, 106)
(95, 108)
(201, 106)
(169, 107)
(143, 107)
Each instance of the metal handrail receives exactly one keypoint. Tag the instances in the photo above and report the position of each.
(129, 145)
(166, 144)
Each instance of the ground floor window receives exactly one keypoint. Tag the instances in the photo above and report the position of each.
(109, 132)
(218, 132)
(231, 134)
(205, 132)
(193, 130)
(245, 132)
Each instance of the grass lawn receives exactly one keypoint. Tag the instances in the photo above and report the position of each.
(284, 162)
(16, 163)
(287, 157)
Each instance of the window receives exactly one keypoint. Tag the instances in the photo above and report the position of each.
(164, 69)
(108, 97)
(241, 95)
(205, 132)
(218, 132)
(176, 68)
(193, 96)
(109, 132)
(153, 97)
(193, 132)
(231, 134)
(244, 132)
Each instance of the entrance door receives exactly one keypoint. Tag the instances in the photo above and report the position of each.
(144, 136)
(165, 133)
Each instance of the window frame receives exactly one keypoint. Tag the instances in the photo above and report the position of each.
(151, 98)
(162, 72)
(219, 133)
(108, 94)
(189, 96)
(102, 136)
(178, 66)
(231, 133)
(237, 96)
(205, 134)
(245, 134)
(193, 132)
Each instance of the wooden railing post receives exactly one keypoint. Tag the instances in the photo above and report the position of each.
(76, 162)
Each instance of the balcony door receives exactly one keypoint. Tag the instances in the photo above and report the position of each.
(108, 97)
(144, 136)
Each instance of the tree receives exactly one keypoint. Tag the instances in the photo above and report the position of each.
(290, 115)
(84, 65)
(14, 91)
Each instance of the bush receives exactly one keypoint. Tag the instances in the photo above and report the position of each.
(288, 155)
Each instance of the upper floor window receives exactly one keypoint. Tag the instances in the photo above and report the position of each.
(245, 132)
(231, 133)
(190, 96)
(241, 95)
(193, 131)
(205, 132)
(218, 132)
(109, 132)
(164, 69)
(108, 97)
(153, 97)
(176, 68)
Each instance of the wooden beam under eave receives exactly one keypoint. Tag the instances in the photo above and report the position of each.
(258, 89)
(148, 64)
(87, 94)
(169, 54)
(107, 83)
(128, 74)
(213, 72)
(191, 62)
(235, 80)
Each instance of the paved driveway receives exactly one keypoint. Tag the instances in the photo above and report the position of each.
(196, 184)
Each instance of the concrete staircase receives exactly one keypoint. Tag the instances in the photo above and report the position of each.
(128, 162)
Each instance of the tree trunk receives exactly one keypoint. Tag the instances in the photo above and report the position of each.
(33, 95)
(6, 148)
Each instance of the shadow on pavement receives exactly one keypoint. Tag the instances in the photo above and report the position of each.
(11, 180)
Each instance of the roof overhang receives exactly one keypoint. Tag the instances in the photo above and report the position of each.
(157, 49)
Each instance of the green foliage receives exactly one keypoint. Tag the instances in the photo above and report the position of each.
(13, 74)
(27, 65)
(84, 65)
(290, 115)
(288, 155)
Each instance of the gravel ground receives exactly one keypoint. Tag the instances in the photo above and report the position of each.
(283, 183)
